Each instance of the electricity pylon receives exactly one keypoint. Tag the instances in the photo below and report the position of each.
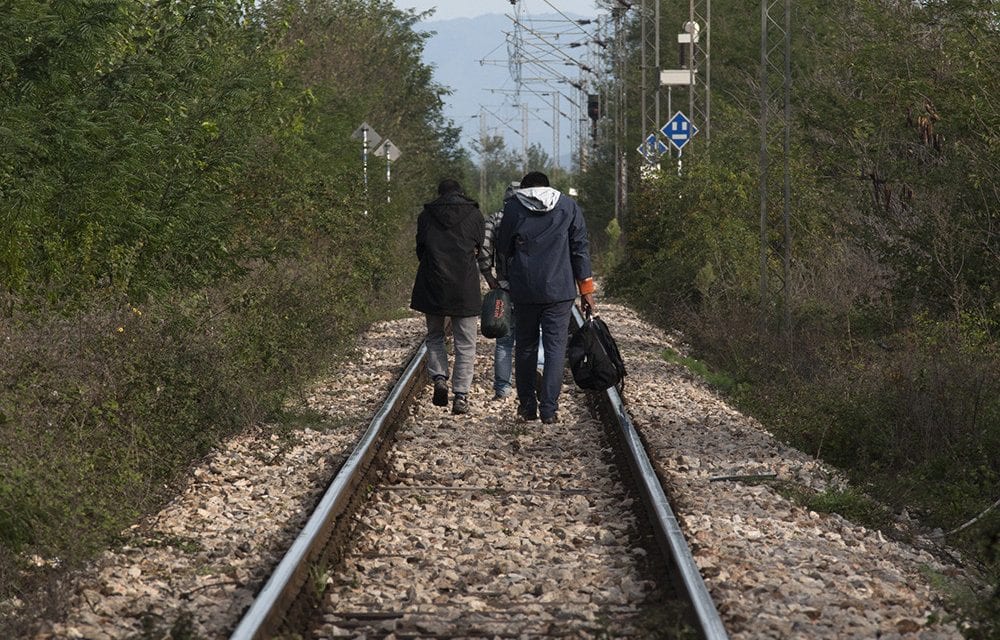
(775, 176)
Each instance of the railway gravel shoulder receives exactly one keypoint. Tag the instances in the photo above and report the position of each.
(775, 569)
(195, 566)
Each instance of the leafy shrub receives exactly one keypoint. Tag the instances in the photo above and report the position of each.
(186, 244)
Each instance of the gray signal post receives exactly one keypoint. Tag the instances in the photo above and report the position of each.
(391, 153)
(368, 136)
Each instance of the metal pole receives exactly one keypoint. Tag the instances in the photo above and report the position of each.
(708, 72)
(656, 94)
(524, 136)
(643, 66)
(364, 163)
(691, 61)
(555, 128)
(670, 110)
(388, 179)
(764, 291)
(618, 107)
(775, 133)
(482, 159)
(786, 215)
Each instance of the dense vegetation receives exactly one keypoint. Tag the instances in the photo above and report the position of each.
(184, 238)
(890, 367)
(184, 242)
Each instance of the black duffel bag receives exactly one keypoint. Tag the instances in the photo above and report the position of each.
(494, 321)
(593, 356)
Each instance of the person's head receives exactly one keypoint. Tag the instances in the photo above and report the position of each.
(447, 186)
(534, 179)
(509, 191)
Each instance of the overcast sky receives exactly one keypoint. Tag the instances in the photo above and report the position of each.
(447, 9)
(468, 32)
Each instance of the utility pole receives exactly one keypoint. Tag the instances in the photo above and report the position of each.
(699, 56)
(556, 115)
(621, 121)
(649, 76)
(775, 177)
(482, 158)
(524, 137)
(539, 46)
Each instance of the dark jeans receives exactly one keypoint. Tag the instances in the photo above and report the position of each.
(553, 318)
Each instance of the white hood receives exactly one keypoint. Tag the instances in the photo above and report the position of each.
(538, 198)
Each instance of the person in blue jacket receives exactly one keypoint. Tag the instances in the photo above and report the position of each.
(543, 251)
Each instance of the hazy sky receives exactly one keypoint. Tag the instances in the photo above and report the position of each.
(447, 9)
(482, 100)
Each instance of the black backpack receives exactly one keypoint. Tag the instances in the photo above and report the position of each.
(593, 356)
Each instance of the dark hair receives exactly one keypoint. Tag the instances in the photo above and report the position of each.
(534, 179)
(449, 186)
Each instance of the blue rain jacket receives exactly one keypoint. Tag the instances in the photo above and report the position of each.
(542, 247)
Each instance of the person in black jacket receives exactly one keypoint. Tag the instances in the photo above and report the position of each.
(449, 237)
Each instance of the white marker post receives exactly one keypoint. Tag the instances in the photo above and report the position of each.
(391, 153)
(367, 136)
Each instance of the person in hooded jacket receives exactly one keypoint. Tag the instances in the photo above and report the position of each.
(503, 352)
(543, 252)
(449, 238)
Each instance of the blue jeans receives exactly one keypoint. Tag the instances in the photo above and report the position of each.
(503, 362)
(553, 319)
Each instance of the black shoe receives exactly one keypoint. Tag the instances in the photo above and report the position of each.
(461, 404)
(554, 418)
(440, 392)
(527, 416)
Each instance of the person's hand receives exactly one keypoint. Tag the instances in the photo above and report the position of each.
(587, 304)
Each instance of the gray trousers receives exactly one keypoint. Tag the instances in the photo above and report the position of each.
(464, 332)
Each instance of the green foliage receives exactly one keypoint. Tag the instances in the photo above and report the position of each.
(889, 366)
(718, 380)
(702, 227)
(183, 242)
(911, 80)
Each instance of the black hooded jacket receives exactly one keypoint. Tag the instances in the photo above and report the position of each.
(449, 236)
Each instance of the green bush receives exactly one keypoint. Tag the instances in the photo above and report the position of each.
(186, 243)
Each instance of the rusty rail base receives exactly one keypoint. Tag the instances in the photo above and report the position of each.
(265, 616)
(687, 578)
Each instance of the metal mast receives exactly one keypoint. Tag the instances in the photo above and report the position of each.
(699, 55)
(621, 123)
(649, 61)
(775, 138)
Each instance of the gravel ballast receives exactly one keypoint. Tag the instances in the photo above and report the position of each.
(775, 569)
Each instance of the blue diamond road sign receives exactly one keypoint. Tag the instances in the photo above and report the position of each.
(679, 130)
(652, 148)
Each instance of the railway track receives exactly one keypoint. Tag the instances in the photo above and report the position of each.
(773, 567)
(452, 543)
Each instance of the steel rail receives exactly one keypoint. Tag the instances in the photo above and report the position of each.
(264, 616)
(667, 529)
